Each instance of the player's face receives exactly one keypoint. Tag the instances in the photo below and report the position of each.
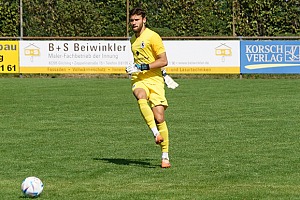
(137, 23)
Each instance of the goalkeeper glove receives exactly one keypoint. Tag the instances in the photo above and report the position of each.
(169, 81)
(132, 69)
(137, 68)
(143, 66)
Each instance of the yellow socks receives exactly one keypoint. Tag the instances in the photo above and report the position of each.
(163, 130)
(148, 115)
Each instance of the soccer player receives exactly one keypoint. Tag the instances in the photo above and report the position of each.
(147, 80)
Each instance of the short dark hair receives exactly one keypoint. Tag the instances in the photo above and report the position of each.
(137, 11)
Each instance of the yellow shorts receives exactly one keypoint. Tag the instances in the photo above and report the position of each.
(155, 93)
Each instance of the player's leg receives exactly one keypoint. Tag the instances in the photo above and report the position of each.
(159, 115)
(141, 95)
(159, 104)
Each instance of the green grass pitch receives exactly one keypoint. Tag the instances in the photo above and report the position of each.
(85, 139)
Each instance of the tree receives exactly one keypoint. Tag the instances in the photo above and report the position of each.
(267, 18)
(9, 18)
(74, 18)
(89, 18)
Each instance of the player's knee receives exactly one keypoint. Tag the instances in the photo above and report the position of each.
(140, 94)
(159, 119)
(138, 97)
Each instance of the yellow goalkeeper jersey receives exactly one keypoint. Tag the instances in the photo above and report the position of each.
(145, 49)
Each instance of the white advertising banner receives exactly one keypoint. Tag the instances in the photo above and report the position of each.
(203, 57)
(74, 56)
(103, 56)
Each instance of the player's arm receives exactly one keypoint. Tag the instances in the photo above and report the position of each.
(161, 61)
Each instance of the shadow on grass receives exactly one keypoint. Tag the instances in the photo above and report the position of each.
(121, 161)
(25, 197)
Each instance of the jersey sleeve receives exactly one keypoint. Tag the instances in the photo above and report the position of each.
(157, 44)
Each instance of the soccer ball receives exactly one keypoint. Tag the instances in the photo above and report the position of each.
(32, 187)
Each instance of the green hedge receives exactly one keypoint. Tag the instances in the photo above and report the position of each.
(9, 19)
(89, 18)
